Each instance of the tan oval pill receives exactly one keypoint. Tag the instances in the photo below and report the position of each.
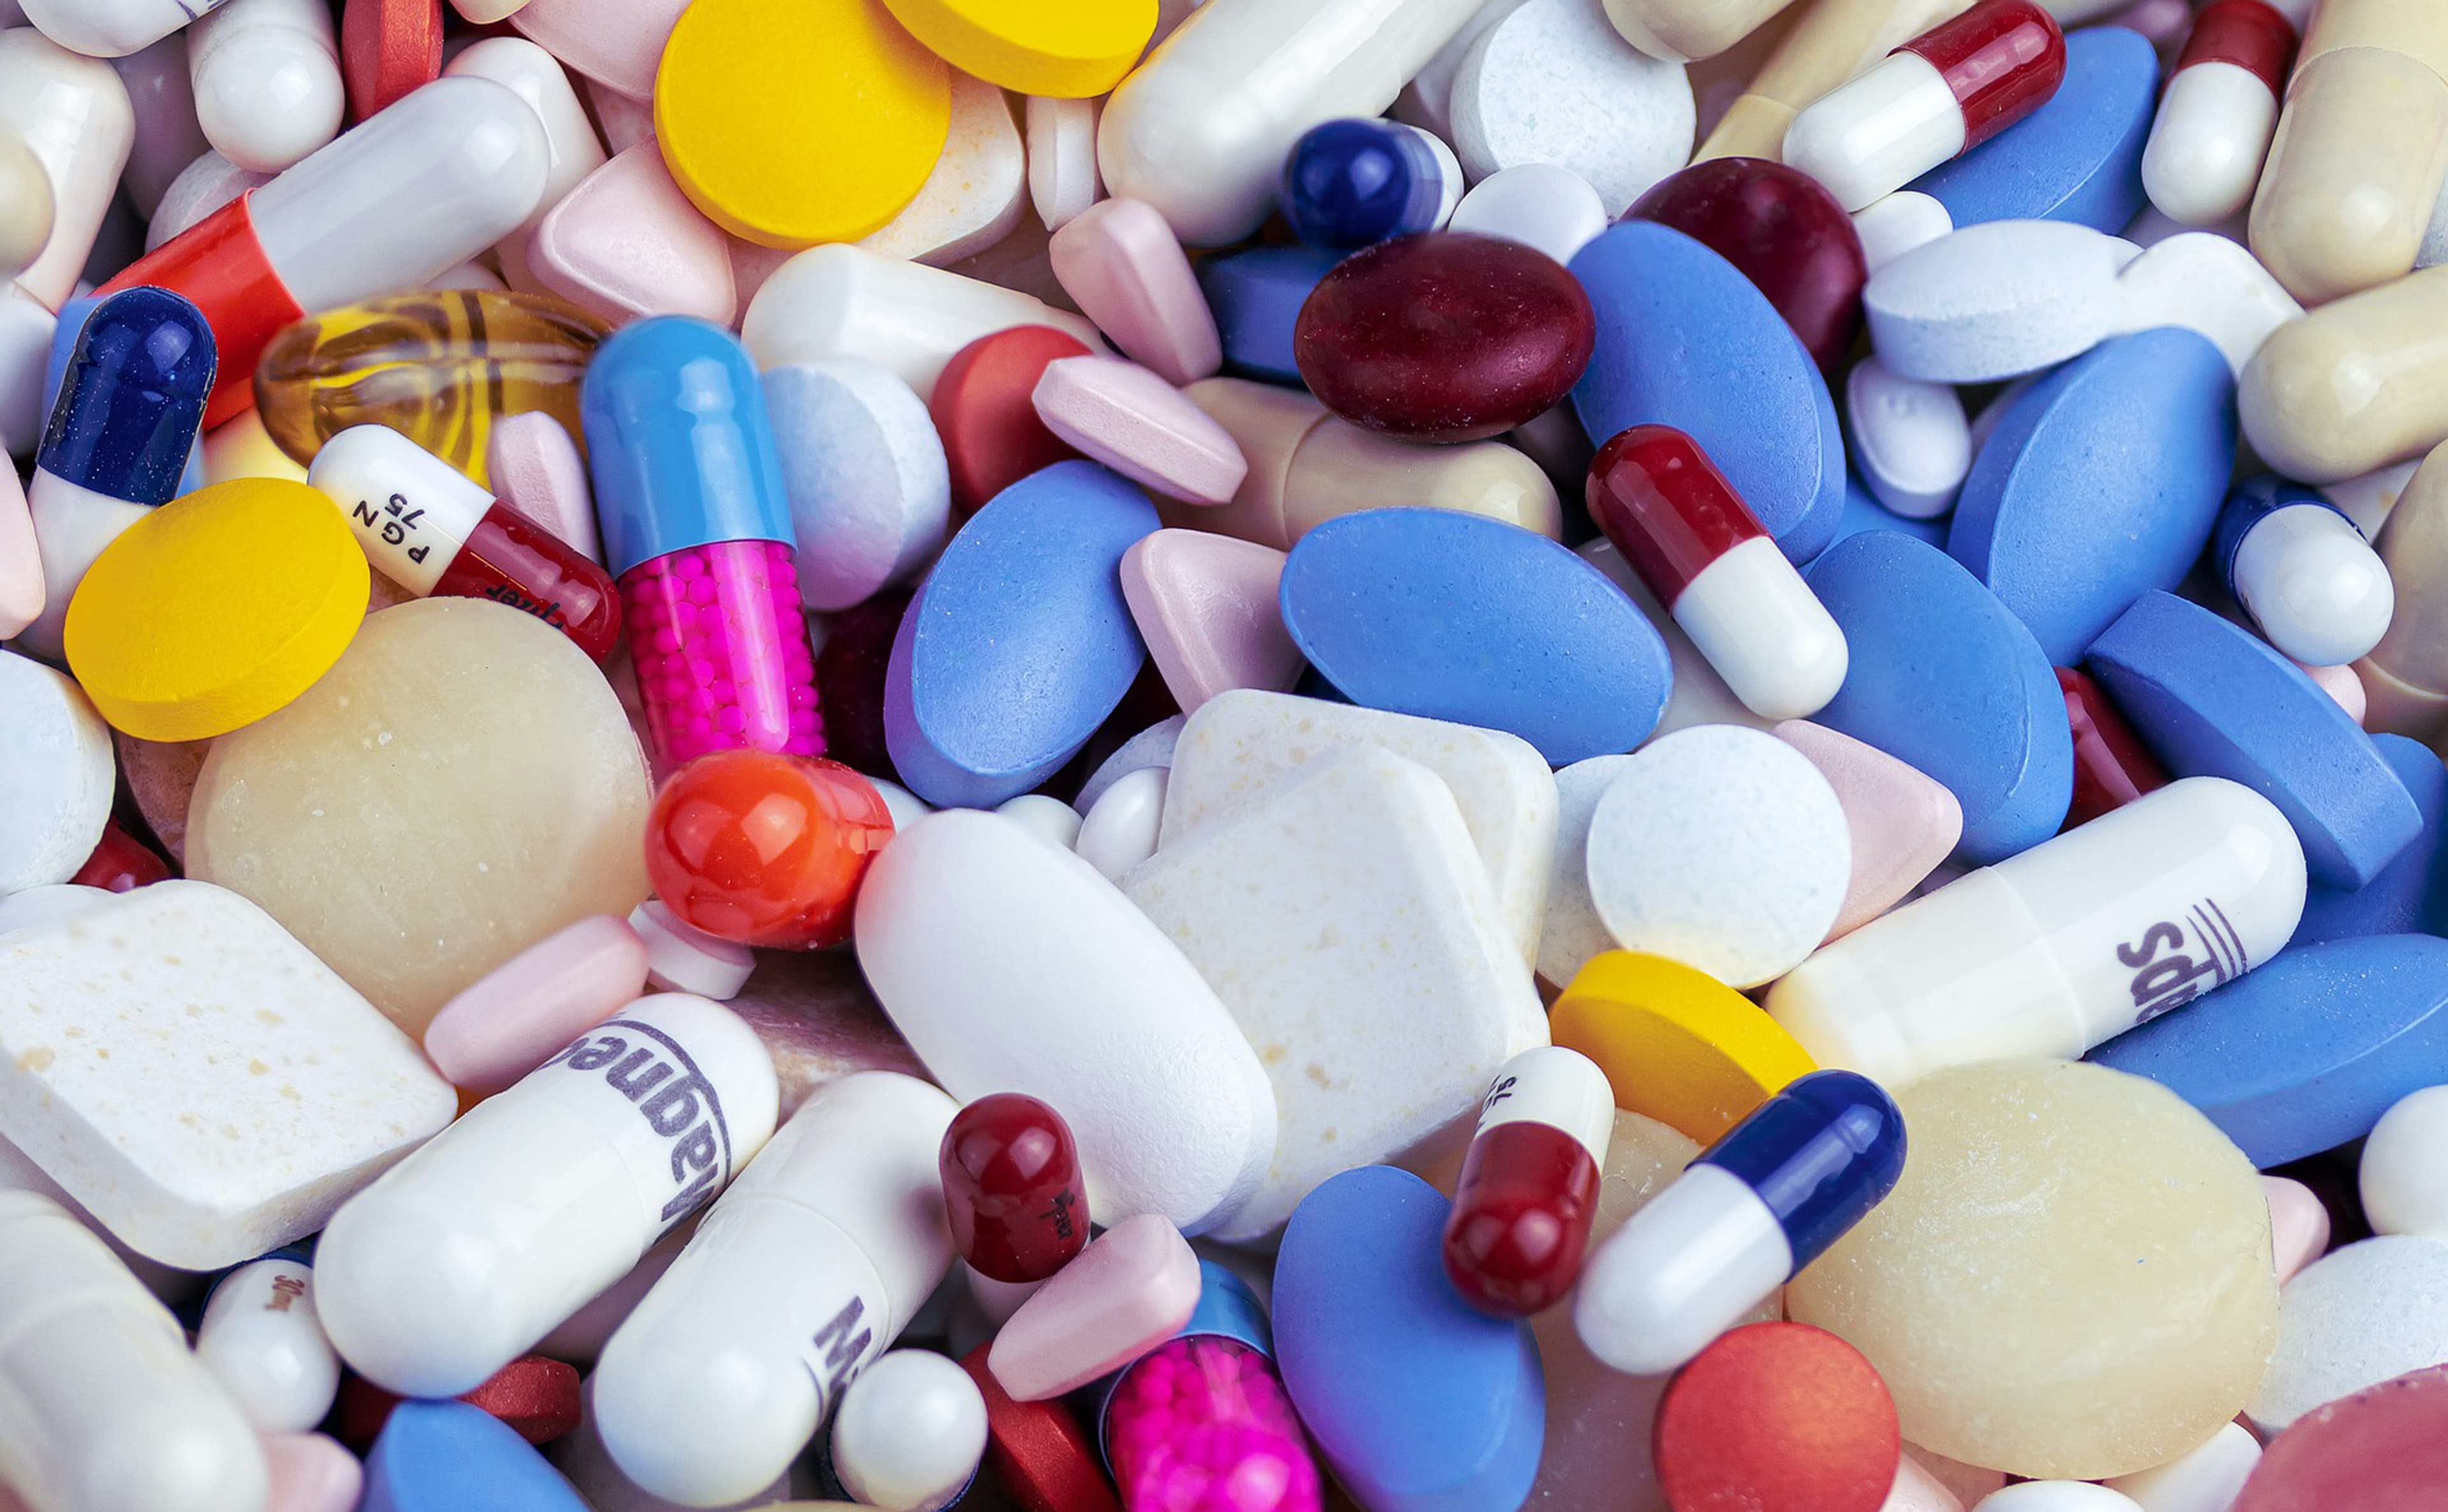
(2405, 677)
(2353, 172)
(2354, 385)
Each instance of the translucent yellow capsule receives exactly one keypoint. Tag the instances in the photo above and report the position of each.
(1678, 1045)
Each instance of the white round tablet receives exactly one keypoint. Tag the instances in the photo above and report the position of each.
(910, 1431)
(2355, 1317)
(871, 495)
(1544, 205)
(2405, 1167)
(57, 773)
(1995, 300)
(1553, 82)
(1120, 830)
(1050, 820)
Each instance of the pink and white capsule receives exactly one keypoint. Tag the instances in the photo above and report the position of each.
(2219, 109)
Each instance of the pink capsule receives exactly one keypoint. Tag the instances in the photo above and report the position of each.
(1529, 1184)
(2220, 110)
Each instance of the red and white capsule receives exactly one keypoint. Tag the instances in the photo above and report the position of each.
(1933, 99)
(1711, 562)
(2219, 109)
(1529, 1185)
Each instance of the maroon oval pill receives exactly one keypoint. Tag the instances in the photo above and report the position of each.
(1783, 232)
(1445, 336)
(2379, 1451)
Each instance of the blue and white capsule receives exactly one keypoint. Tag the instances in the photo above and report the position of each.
(1756, 1207)
(130, 403)
(2298, 566)
(1352, 184)
(261, 1340)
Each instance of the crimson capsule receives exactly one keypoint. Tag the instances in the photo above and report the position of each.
(1012, 1188)
(1529, 1185)
(2220, 110)
(1705, 554)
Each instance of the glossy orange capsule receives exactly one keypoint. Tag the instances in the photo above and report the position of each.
(1529, 1185)
(765, 848)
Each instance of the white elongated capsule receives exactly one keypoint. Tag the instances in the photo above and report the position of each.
(2219, 111)
(267, 81)
(2063, 948)
(2303, 572)
(536, 77)
(802, 1274)
(467, 1253)
(261, 1339)
(74, 115)
(26, 205)
(111, 28)
(1910, 439)
(106, 1409)
(910, 1433)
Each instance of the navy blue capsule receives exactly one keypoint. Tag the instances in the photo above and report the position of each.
(1820, 1154)
(1351, 183)
(133, 398)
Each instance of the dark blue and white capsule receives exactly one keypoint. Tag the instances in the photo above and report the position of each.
(2298, 566)
(1351, 183)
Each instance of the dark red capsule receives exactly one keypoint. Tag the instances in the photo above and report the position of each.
(2001, 59)
(1012, 1188)
(1780, 230)
(2111, 767)
(1521, 1219)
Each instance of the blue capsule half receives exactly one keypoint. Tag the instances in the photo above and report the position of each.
(1820, 1154)
(131, 397)
(1351, 183)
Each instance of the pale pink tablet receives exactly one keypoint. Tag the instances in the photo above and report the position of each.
(1144, 428)
(1207, 607)
(618, 42)
(626, 122)
(626, 243)
(21, 562)
(536, 470)
(511, 1019)
(2343, 685)
(1120, 263)
(1917, 1490)
(2299, 1225)
(1125, 1294)
(311, 1473)
(1903, 823)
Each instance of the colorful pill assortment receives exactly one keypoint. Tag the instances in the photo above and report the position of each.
(1263, 755)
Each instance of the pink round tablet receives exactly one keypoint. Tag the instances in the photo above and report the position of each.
(2379, 1451)
(1206, 606)
(511, 1019)
(311, 1473)
(536, 470)
(1903, 822)
(1121, 263)
(2299, 1225)
(626, 243)
(1125, 1294)
(1144, 428)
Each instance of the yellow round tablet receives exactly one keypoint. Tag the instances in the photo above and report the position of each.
(217, 608)
(1678, 1045)
(795, 121)
(1066, 49)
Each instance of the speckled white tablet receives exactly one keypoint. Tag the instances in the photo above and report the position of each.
(1544, 205)
(1573, 932)
(1722, 848)
(56, 775)
(1063, 177)
(973, 197)
(1346, 922)
(871, 494)
(1553, 82)
(197, 1079)
(2355, 1317)
(1994, 300)
(1910, 439)
(2205, 283)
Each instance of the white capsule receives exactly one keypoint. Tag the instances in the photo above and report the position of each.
(1684, 1270)
(111, 28)
(267, 81)
(261, 1338)
(73, 113)
(1878, 133)
(910, 1433)
(467, 1253)
(167, 135)
(574, 152)
(1765, 631)
(2314, 584)
(1910, 439)
(2207, 144)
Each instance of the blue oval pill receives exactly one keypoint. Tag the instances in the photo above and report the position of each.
(1684, 339)
(1418, 1403)
(1256, 296)
(2211, 701)
(450, 1456)
(2077, 158)
(2306, 1052)
(1453, 616)
(1946, 679)
(1862, 511)
(2399, 900)
(1019, 644)
(2103, 482)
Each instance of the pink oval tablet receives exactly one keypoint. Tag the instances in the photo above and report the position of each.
(311, 1473)
(1125, 1294)
(626, 243)
(1206, 606)
(1119, 262)
(1903, 822)
(537, 471)
(616, 42)
(513, 1018)
(2299, 1225)
(1134, 422)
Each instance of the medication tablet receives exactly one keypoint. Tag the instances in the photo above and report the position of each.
(2299, 1225)
(1118, 831)
(2057, 1496)
(871, 494)
(2399, 900)
(2202, 1480)
(508, 1020)
(1572, 932)
(1675, 1044)
(56, 775)
(909, 1432)
(1685, 340)
(985, 411)
(680, 958)
(310, 1473)
(1050, 820)
(624, 242)
(267, 82)
(2357, 1316)
(1779, 1417)
(1060, 147)
(1256, 296)
(388, 49)
(536, 471)
(615, 43)
(1129, 1291)
(1124, 267)
(2077, 158)
(1788, 235)
(1036, 1450)
(26, 189)
(1995, 300)
(1902, 824)
(2379, 1448)
(1944, 679)
(1207, 607)
(1363, 1314)
(790, 125)
(448, 1457)
(1553, 82)
(1451, 615)
(2403, 1183)
(1151, 747)
(1080, 49)
(1544, 205)
(2206, 284)
(539, 1399)
(1134, 422)
(1698, 695)
(972, 198)
(2305, 1053)
(1898, 223)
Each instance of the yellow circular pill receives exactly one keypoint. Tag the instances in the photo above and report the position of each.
(1678, 1045)
(217, 608)
(1070, 51)
(795, 121)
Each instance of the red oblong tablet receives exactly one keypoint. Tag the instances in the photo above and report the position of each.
(1776, 1417)
(2379, 1451)
(983, 408)
(535, 1396)
(1037, 1449)
(386, 48)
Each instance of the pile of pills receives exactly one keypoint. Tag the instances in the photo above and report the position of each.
(1223, 755)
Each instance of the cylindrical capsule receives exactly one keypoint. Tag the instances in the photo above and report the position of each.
(74, 116)
(2405, 677)
(112, 28)
(462, 1255)
(107, 1411)
(408, 194)
(696, 531)
(1684, 31)
(1933, 99)
(1011, 1188)
(131, 398)
(267, 81)
(1758, 1206)
(263, 1341)
(805, 1272)
(911, 1432)
(2219, 111)
(2303, 571)
(2353, 386)
(1529, 1185)
(2057, 950)
(1351, 183)
(1698, 547)
(1828, 42)
(433, 531)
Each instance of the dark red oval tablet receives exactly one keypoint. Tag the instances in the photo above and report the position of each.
(1780, 230)
(1037, 1450)
(121, 863)
(1776, 1417)
(984, 409)
(2383, 1449)
(536, 1396)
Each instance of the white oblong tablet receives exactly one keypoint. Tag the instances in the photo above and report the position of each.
(1063, 177)
(2206, 283)
(1995, 300)
(871, 495)
(1553, 82)
(1544, 205)
(56, 775)
(1722, 848)
(1910, 439)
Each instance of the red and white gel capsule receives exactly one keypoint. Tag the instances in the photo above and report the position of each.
(2219, 109)
(1529, 1184)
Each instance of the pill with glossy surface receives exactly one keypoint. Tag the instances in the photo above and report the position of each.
(2219, 111)
(1786, 234)
(267, 81)
(2111, 766)
(261, 1340)
(2405, 676)
(764, 848)
(1348, 184)
(909, 1432)
(1827, 43)
(27, 204)
(2303, 571)
(1682, 29)
(1012, 1189)
(1529, 1184)
(2401, 1176)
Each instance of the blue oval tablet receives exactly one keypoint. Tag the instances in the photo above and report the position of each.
(2211, 701)
(1453, 616)
(450, 1456)
(1018, 645)
(1418, 1403)
(2077, 158)
(1946, 679)
(2398, 901)
(1862, 511)
(1684, 339)
(2306, 1052)
(2103, 482)
(1256, 296)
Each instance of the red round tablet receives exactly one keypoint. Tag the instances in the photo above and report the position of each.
(1038, 1451)
(984, 409)
(1776, 1417)
(386, 48)
(535, 1396)
(2383, 1449)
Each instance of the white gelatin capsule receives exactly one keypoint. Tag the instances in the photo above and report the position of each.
(2219, 111)
(467, 1253)
(267, 81)
(2063, 948)
(804, 1273)
(910, 1433)
(111, 28)
(74, 115)
(2303, 572)
(261, 1338)
(106, 1412)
